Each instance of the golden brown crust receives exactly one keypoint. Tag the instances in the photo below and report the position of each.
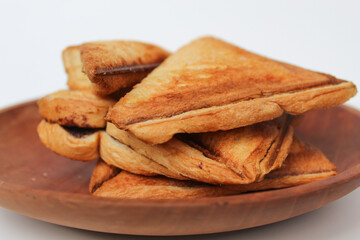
(315, 98)
(75, 108)
(128, 185)
(303, 159)
(209, 72)
(208, 80)
(304, 164)
(179, 158)
(119, 155)
(112, 65)
(62, 142)
(195, 162)
(77, 80)
(102, 172)
(239, 114)
(252, 151)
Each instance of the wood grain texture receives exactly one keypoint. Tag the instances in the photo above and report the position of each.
(39, 184)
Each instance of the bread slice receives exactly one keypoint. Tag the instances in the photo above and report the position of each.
(122, 156)
(210, 85)
(102, 172)
(252, 151)
(304, 164)
(74, 143)
(75, 108)
(107, 66)
(77, 80)
(105, 183)
(244, 155)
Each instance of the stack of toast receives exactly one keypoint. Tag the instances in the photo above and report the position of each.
(211, 119)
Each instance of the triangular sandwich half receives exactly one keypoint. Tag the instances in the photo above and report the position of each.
(211, 85)
(107, 66)
(242, 156)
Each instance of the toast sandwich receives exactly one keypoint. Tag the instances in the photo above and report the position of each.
(238, 156)
(107, 66)
(72, 122)
(210, 85)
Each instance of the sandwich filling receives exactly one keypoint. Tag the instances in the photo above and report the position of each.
(78, 132)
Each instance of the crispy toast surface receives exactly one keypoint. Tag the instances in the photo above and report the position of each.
(75, 108)
(210, 80)
(304, 164)
(102, 172)
(105, 183)
(112, 65)
(105, 67)
(251, 151)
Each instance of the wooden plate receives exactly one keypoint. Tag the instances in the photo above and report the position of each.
(39, 184)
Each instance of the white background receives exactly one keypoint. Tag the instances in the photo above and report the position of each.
(319, 35)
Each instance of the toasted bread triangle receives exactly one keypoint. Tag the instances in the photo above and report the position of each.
(241, 156)
(75, 108)
(304, 164)
(211, 85)
(251, 151)
(107, 66)
(112, 65)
